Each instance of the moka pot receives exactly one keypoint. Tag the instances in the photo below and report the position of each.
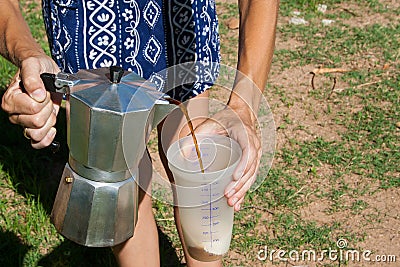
(110, 113)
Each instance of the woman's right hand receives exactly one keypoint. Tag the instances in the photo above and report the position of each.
(33, 107)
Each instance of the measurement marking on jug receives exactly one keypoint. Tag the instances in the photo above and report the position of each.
(206, 217)
(211, 217)
(213, 208)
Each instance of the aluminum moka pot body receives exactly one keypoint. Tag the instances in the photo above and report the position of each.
(110, 114)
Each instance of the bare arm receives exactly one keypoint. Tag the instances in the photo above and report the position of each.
(32, 108)
(16, 41)
(256, 44)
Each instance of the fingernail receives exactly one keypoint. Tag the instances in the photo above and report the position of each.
(230, 193)
(234, 200)
(238, 206)
(39, 95)
(238, 174)
(230, 189)
(52, 132)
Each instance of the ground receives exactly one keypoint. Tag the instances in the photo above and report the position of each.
(325, 135)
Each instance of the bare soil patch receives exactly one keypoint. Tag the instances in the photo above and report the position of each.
(301, 114)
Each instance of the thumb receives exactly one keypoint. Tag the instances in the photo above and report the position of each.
(32, 83)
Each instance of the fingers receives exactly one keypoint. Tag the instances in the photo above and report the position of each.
(237, 189)
(15, 101)
(32, 118)
(41, 127)
(247, 173)
(251, 153)
(238, 205)
(245, 163)
(37, 118)
(32, 106)
(237, 197)
(46, 140)
(228, 122)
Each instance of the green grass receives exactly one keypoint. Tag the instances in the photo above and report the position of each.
(342, 174)
(7, 72)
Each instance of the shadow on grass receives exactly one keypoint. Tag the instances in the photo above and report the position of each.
(71, 254)
(34, 172)
(37, 173)
(12, 250)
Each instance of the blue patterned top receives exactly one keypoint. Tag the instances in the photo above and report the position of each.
(143, 36)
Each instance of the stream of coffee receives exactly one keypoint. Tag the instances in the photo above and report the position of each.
(190, 124)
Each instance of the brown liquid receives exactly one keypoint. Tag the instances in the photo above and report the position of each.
(201, 255)
(190, 124)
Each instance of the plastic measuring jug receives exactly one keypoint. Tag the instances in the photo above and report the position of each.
(205, 216)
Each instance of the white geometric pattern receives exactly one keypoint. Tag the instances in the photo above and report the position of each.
(101, 37)
(151, 13)
(158, 80)
(133, 41)
(152, 50)
(144, 36)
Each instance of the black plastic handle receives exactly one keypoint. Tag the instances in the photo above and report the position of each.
(49, 81)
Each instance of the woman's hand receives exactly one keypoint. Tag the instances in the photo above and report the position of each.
(33, 107)
(238, 124)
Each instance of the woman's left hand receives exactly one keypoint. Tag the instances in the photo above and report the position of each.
(238, 124)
